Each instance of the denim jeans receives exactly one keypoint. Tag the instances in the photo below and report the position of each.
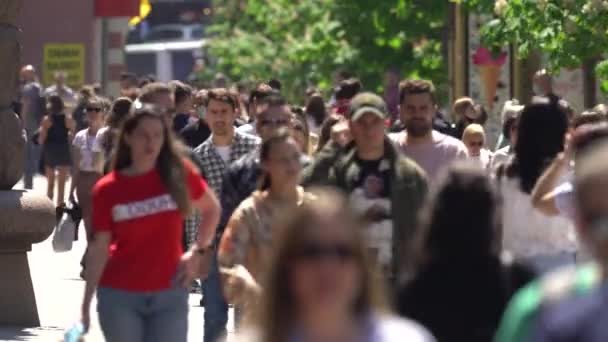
(143, 317)
(216, 308)
(32, 160)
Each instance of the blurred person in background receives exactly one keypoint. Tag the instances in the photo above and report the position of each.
(56, 133)
(184, 101)
(301, 131)
(84, 172)
(543, 86)
(340, 135)
(510, 118)
(61, 89)
(316, 112)
(545, 242)
(106, 138)
(384, 187)
(80, 114)
(461, 285)
(250, 236)
(570, 303)
(391, 93)
(258, 94)
(550, 196)
(466, 112)
(345, 91)
(33, 109)
(320, 285)
(430, 149)
(474, 138)
(129, 85)
(196, 133)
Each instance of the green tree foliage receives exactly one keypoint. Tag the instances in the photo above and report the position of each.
(567, 32)
(303, 43)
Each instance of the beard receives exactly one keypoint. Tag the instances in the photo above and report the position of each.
(418, 128)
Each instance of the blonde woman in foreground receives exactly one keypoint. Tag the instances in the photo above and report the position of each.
(320, 286)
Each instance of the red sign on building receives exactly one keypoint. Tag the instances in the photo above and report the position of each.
(117, 8)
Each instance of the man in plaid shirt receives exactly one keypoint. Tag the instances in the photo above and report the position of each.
(223, 147)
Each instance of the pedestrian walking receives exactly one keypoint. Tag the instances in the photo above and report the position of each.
(461, 284)
(432, 150)
(320, 285)
(474, 138)
(545, 242)
(250, 236)
(56, 133)
(33, 109)
(384, 187)
(84, 172)
(136, 261)
(107, 136)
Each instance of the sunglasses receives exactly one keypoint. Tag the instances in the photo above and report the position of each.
(318, 252)
(94, 109)
(275, 123)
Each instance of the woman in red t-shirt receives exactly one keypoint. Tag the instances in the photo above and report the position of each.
(136, 261)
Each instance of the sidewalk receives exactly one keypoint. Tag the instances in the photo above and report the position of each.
(59, 291)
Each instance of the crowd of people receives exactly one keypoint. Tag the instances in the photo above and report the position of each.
(358, 217)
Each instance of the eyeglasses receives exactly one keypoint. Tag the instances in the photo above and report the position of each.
(275, 123)
(476, 143)
(93, 109)
(318, 252)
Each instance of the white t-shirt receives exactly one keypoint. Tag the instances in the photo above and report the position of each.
(85, 142)
(434, 156)
(97, 144)
(484, 159)
(224, 152)
(527, 232)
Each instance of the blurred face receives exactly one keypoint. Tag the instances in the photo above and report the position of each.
(146, 140)
(165, 100)
(471, 114)
(417, 112)
(283, 164)
(298, 132)
(94, 114)
(220, 117)
(187, 105)
(325, 276)
(368, 132)
(60, 78)
(271, 119)
(474, 144)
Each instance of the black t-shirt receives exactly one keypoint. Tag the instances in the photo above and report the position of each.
(195, 133)
(462, 300)
(370, 197)
(180, 121)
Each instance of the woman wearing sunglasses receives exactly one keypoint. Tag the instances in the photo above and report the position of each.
(319, 285)
(84, 172)
(136, 261)
(248, 240)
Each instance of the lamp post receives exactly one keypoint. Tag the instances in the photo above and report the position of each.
(25, 218)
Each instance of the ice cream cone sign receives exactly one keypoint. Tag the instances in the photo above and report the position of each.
(489, 72)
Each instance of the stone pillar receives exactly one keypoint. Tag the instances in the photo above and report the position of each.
(25, 218)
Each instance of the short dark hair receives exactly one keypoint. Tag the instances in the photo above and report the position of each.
(129, 77)
(347, 89)
(260, 91)
(151, 90)
(56, 104)
(275, 84)
(410, 87)
(222, 95)
(274, 100)
(182, 92)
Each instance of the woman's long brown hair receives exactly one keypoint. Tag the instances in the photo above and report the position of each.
(276, 317)
(170, 164)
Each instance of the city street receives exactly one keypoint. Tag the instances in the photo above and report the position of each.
(59, 292)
